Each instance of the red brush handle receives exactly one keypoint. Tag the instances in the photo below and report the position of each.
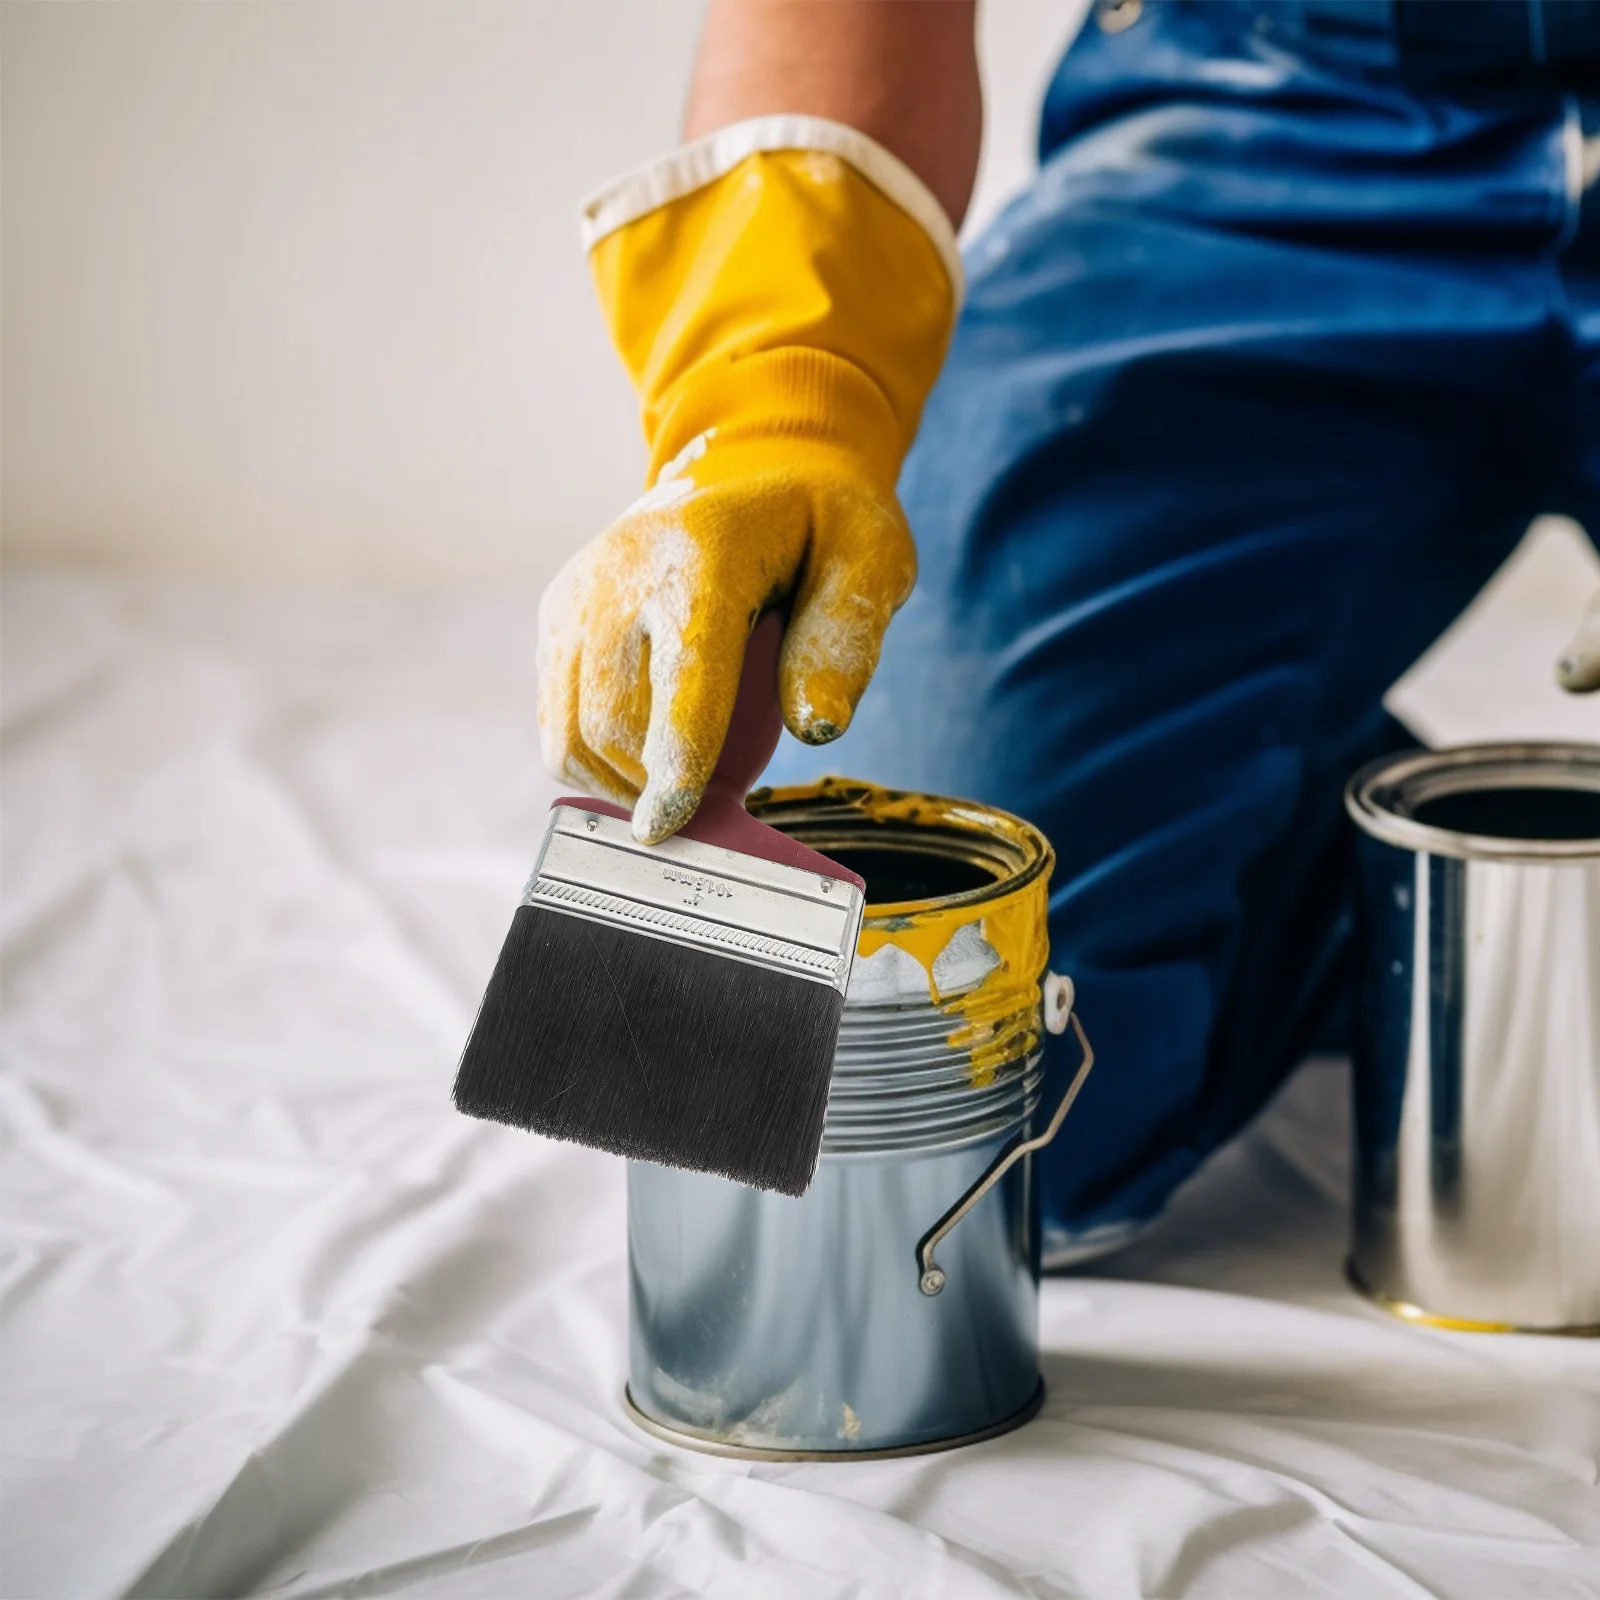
(753, 733)
(756, 724)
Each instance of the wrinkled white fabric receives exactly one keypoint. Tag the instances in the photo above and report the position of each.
(276, 1320)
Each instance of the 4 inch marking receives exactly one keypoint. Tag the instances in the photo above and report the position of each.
(697, 886)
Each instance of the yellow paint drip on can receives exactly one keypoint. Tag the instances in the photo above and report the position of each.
(983, 869)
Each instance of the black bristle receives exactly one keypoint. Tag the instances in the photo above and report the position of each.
(654, 1050)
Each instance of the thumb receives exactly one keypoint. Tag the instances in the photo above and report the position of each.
(694, 680)
(1578, 670)
(852, 586)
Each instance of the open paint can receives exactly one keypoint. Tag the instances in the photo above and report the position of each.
(894, 1307)
(1477, 1060)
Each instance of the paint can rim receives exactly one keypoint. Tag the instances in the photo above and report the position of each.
(1383, 797)
(1448, 1322)
(710, 1444)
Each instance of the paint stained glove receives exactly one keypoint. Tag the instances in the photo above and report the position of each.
(1579, 666)
(782, 294)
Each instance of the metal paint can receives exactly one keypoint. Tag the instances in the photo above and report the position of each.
(892, 1309)
(1477, 1052)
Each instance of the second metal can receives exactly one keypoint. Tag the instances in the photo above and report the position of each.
(1477, 1059)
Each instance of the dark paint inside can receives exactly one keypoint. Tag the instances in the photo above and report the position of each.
(895, 876)
(1517, 813)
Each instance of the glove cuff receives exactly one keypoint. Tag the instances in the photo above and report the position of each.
(789, 296)
(635, 194)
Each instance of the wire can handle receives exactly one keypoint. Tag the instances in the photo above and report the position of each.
(1058, 1013)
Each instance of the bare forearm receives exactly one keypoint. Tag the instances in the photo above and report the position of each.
(904, 72)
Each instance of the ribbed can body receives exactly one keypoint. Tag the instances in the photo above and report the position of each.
(1477, 1058)
(765, 1325)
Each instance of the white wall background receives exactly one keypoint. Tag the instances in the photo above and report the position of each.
(296, 288)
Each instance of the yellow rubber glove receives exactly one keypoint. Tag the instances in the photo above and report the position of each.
(782, 294)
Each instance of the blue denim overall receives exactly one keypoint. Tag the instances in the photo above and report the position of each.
(1254, 386)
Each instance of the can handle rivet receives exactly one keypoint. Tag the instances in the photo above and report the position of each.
(592, 823)
(1059, 999)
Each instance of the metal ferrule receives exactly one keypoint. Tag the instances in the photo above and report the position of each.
(770, 915)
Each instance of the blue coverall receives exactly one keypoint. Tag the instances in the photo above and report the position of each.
(1253, 387)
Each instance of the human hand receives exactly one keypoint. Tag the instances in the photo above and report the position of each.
(1578, 669)
(781, 292)
(642, 634)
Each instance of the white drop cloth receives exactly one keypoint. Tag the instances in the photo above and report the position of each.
(276, 1320)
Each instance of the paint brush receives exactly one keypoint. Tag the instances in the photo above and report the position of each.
(677, 1002)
